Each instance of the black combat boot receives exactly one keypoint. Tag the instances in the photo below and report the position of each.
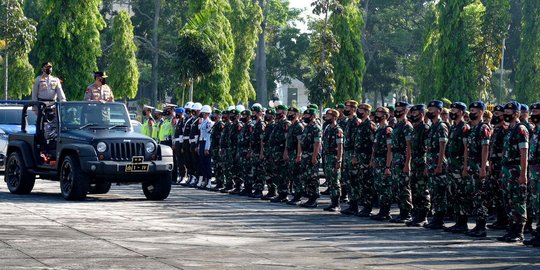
(228, 187)
(535, 241)
(352, 209)
(460, 226)
(247, 191)
(281, 198)
(326, 192)
(344, 197)
(528, 225)
(218, 187)
(420, 219)
(502, 220)
(334, 205)
(384, 214)
(296, 200)
(311, 202)
(365, 212)
(437, 222)
(479, 230)
(270, 195)
(257, 194)
(236, 190)
(403, 217)
(516, 233)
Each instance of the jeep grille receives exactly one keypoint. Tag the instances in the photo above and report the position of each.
(126, 150)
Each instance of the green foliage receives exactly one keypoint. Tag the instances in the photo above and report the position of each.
(528, 77)
(245, 18)
(123, 70)
(69, 38)
(17, 37)
(322, 86)
(348, 62)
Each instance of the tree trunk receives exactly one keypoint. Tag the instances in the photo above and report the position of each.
(155, 55)
(260, 61)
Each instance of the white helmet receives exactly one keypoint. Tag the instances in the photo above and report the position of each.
(230, 108)
(197, 106)
(206, 109)
(240, 107)
(303, 109)
(257, 105)
(277, 103)
(188, 105)
(325, 110)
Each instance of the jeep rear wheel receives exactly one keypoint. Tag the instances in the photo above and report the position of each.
(74, 184)
(18, 179)
(159, 189)
(100, 188)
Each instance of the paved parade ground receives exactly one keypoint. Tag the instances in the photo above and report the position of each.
(196, 229)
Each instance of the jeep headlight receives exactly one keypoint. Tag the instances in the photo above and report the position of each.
(150, 147)
(101, 147)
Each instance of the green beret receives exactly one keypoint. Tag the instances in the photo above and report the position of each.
(313, 106)
(293, 109)
(246, 113)
(257, 108)
(282, 107)
(217, 111)
(271, 111)
(340, 106)
(311, 111)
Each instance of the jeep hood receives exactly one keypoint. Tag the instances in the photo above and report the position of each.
(103, 134)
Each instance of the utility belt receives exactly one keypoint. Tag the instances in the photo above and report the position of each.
(331, 151)
(45, 100)
(534, 162)
(512, 163)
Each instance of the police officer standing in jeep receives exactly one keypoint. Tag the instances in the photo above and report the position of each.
(47, 87)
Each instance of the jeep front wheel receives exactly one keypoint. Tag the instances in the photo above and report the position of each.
(74, 183)
(159, 189)
(18, 179)
(100, 188)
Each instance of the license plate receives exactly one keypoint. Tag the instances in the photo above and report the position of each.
(134, 168)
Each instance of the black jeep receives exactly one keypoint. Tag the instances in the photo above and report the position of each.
(86, 146)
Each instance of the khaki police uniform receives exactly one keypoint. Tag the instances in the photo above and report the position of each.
(99, 93)
(47, 88)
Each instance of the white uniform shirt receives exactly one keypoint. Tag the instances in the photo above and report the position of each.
(206, 129)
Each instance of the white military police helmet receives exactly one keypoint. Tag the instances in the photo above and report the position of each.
(230, 108)
(188, 105)
(206, 109)
(196, 106)
(240, 107)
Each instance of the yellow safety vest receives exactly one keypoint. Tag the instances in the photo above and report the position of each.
(145, 130)
(165, 130)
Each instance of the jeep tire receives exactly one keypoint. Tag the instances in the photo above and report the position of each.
(74, 183)
(159, 189)
(100, 188)
(16, 175)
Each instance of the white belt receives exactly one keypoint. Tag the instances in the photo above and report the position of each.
(192, 141)
(177, 140)
(185, 138)
(196, 137)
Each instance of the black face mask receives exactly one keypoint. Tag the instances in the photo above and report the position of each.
(430, 115)
(453, 116)
(279, 116)
(244, 119)
(398, 114)
(535, 119)
(328, 121)
(254, 117)
(473, 116)
(267, 118)
(414, 118)
(103, 81)
(290, 117)
(144, 113)
(233, 117)
(307, 120)
(48, 71)
(346, 112)
(377, 119)
(360, 115)
(213, 118)
(508, 117)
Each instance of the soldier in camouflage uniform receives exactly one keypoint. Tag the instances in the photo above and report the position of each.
(278, 139)
(309, 156)
(342, 122)
(458, 194)
(419, 184)
(350, 171)
(234, 180)
(534, 174)
(268, 162)
(495, 157)
(524, 119)
(244, 153)
(257, 151)
(401, 162)
(436, 164)
(514, 173)
(363, 138)
(476, 157)
(332, 143)
(215, 138)
(225, 149)
(381, 160)
(293, 175)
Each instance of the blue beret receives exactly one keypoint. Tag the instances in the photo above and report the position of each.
(402, 104)
(524, 108)
(436, 103)
(478, 105)
(459, 106)
(418, 107)
(512, 105)
(535, 106)
(180, 110)
(499, 108)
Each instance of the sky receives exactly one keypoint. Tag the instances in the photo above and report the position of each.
(303, 4)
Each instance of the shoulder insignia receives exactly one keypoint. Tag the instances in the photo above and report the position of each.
(522, 129)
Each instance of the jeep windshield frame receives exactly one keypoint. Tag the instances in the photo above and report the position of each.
(92, 115)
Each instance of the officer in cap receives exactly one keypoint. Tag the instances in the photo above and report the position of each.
(99, 90)
(178, 138)
(148, 121)
(46, 87)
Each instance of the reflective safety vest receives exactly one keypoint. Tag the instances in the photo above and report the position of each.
(155, 131)
(145, 130)
(166, 130)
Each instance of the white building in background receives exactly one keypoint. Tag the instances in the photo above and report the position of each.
(293, 93)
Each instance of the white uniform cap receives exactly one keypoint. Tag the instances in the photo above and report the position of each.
(240, 107)
(197, 106)
(206, 109)
(230, 108)
(188, 105)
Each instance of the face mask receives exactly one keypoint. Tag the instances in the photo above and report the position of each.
(233, 117)
(328, 121)
(377, 119)
(307, 120)
(213, 118)
(279, 116)
(103, 81)
(508, 117)
(48, 71)
(290, 117)
(496, 120)
(398, 114)
(267, 118)
(166, 113)
(254, 118)
(473, 116)
(414, 118)
(430, 115)
(144, 113)
(360, 115)
(346, 112)
(244, 119)
(453, 116)
(535, 118)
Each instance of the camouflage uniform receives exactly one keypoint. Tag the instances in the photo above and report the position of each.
(400, 136)
(382, 183)
(495, 187)
(419, 182)
(342, 123)
(534, 173)
(364, 137)
(258, 165)
(332, 137)
(438, 183)
(515, 195)
(268, 161)
(234, 154)
(217, 161)
(225, 150)
(278, 138)
(293, 175)
(310, 172)
(478, 136)
(244, 147)
(351, 171)
(459, 197)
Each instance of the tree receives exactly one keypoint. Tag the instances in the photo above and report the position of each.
(348, 62)
(245, 18)
(69, 38)
(18, 37)
(123, 71)
(528, 77)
